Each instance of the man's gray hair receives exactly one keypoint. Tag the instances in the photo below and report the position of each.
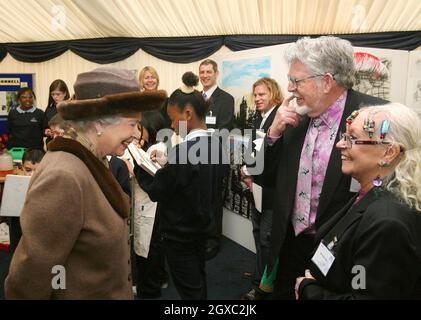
(325, 54)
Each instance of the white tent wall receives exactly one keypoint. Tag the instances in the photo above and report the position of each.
(50, 20)
(69, 65)
(47, 20)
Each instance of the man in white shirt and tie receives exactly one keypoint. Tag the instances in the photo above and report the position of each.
(221, 116)
(222, 103)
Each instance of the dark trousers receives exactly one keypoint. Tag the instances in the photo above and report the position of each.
(262, 225)
(186, 261)
(294, 258)
(214, 239)
(150, 272)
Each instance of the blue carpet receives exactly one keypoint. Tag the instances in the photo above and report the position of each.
(224, 273)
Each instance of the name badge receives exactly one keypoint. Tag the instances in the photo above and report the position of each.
(323, 258)
(355, 186)
(210, 120)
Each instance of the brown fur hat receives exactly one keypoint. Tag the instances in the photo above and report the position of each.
(107, 92)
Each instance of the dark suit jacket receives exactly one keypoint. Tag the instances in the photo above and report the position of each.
(380, 234)
(267, 192)
(282, 161)
(121, 173)
(222, 107)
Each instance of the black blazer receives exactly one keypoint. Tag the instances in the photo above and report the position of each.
(267, 192)
(121, 173)
(222, 107)
(282, 161)
(380, 234)
(186, 192)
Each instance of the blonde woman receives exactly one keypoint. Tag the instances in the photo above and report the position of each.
(148, 79)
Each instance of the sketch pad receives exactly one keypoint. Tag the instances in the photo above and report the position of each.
(14, 194)
(143, 159)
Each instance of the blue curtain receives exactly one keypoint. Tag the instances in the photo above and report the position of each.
(185, 49)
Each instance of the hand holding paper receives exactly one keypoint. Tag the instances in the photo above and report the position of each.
(143, 159)
(159, 156)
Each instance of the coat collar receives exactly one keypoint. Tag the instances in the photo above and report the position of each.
(346, 217)
(269, 118)
(102, 175)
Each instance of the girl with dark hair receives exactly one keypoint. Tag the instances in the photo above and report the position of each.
(58, 92)
(147, 243)
(26, 122)
(185, 189)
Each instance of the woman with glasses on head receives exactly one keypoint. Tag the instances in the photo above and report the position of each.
(371, 249)
(26, 122)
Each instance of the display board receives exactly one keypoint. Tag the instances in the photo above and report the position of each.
(10, 84)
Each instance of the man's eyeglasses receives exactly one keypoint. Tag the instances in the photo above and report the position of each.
(295, 81)
(349, 140)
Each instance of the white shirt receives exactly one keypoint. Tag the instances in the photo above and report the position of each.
(265, 115)
(197, 133)
(210, 91)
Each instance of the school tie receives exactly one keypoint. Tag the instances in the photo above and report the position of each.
(302, 204)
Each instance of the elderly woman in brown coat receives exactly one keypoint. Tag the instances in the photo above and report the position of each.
(75, 242)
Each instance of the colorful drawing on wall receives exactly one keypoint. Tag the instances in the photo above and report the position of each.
(373, 75)
(238, 77)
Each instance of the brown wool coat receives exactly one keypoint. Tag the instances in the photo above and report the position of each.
(68, 221)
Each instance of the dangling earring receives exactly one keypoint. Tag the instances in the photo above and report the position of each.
(377, 181)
